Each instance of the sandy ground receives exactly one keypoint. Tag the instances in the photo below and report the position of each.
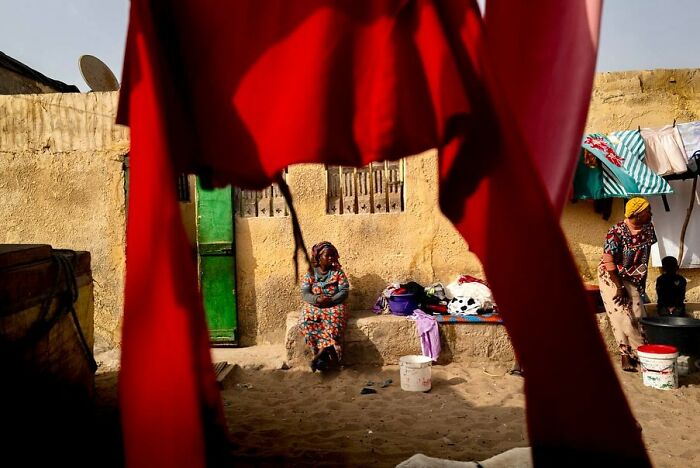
(475, 410)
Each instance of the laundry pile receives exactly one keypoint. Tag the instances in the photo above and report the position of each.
(466, 295)
(465, 300)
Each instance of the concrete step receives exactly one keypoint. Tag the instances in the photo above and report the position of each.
(372, 339)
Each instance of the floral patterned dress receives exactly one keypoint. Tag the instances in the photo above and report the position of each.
(630, 254)
(324, 326)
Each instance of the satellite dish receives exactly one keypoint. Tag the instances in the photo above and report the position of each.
(96, 74)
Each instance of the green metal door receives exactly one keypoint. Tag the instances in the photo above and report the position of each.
(215, 249)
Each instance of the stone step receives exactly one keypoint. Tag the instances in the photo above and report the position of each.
(372, 339)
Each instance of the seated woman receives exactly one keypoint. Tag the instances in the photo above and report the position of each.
(324, 290)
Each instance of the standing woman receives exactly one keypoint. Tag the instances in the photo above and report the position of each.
(324, 290)
(622, 275)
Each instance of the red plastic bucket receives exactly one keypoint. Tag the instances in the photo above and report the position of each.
(657, 349)
(659, 366)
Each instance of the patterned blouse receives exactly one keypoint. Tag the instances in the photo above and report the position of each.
(333, 283)
(630, 252)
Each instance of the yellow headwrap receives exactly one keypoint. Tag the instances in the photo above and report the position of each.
(635, 206)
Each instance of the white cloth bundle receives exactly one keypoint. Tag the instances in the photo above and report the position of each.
(520, 457)
(467, 298)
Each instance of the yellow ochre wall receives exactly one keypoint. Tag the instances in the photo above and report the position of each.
(622, 101)
(62, 183)
(420, 244)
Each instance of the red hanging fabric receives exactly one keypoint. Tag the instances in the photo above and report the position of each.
(236, 91)
(539, 82)
(169, 400)
(545, 67)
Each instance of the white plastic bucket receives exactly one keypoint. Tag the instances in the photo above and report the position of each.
(415, 373)
(659, 366)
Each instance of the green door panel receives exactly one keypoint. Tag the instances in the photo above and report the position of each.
(217, 290)
(215, 217)
(217, 267)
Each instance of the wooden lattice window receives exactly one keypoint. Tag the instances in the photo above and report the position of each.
(376, 188)
(264, 203)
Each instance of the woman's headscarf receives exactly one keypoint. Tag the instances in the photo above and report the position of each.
(635, 206)
(317, 249)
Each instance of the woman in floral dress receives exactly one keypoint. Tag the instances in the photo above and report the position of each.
(324, 316)
(622, 276)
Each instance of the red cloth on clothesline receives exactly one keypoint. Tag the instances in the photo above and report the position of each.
(239, 90)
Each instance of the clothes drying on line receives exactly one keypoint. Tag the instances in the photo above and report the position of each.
(665, 151)
(690, 135)
(613, 166)
(668, 225)
(629, 146)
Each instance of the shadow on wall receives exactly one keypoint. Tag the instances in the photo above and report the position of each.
(588, 273)
(585, 231)
(365, 290)
(246, 294)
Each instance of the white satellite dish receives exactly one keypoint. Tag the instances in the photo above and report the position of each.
(96, 74)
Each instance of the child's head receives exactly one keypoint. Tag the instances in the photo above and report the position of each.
(669, 265)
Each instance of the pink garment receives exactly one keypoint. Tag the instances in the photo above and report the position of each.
(429, 334)
(665, 153)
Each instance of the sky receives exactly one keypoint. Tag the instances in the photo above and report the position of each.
(50, 35)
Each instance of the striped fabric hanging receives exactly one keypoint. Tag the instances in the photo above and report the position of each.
(629, 146)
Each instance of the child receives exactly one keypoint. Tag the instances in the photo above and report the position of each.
(670, 289)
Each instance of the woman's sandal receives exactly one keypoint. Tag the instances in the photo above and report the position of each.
(320, 362)
(317, 363)
(322, 365)
(517, 370)
(628, 363)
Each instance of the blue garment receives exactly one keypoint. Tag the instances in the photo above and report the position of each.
(612, 163)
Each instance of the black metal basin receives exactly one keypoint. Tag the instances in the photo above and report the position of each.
(681, 332)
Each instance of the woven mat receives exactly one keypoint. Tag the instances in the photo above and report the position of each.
(486, 318)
